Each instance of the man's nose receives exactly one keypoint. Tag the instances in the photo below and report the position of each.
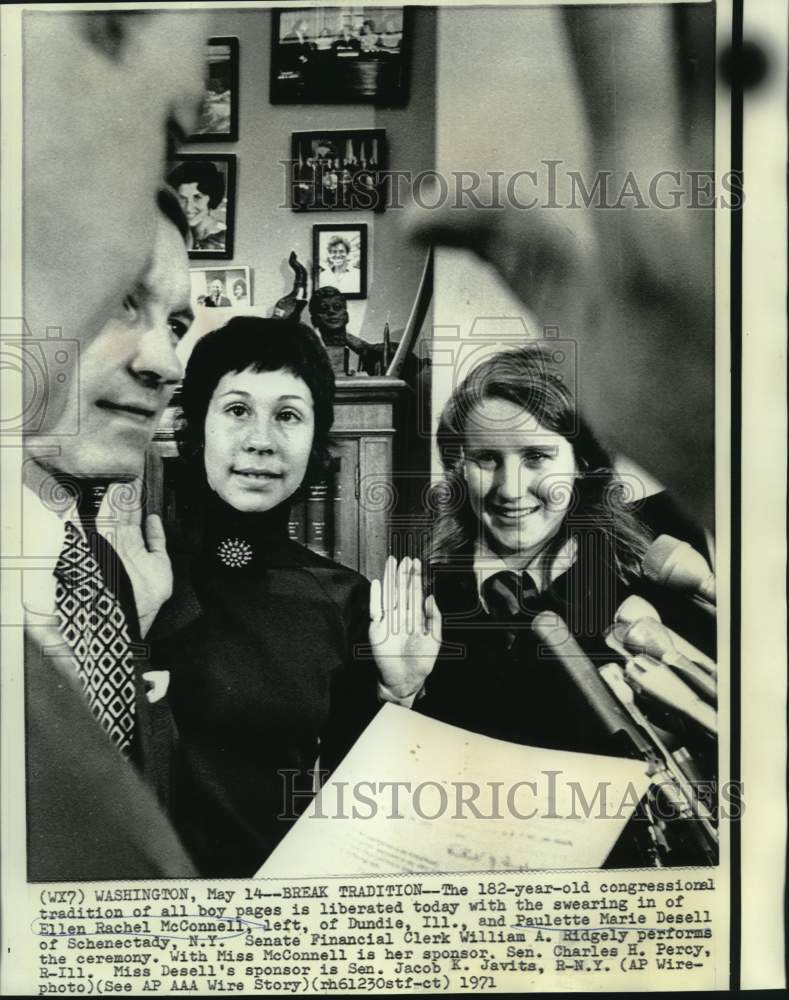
(156, 362)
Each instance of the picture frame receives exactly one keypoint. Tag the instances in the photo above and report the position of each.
(206, 187)
(338, 170)
(339, 258)
(226, 287)
(218, 117)
(340, 55)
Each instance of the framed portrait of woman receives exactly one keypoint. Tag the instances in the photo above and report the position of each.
(339, 259)
(206, 189)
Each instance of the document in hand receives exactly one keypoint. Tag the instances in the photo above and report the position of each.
(415, 795)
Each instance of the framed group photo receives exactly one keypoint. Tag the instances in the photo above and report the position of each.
(218, 118)
(339, 259)
(206, 189)
(220, 287)
(338, 170)
(340, 55)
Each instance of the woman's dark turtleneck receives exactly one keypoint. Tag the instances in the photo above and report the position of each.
(265, 532)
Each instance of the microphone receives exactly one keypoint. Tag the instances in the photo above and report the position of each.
(635, 608)
(677, 565)
(650, 637)
(682, 795)
(656, 681)
(553, 632)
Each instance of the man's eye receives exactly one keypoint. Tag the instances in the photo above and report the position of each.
(179, 328)
(485, 458)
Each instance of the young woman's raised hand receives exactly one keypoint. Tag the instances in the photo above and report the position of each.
(405, 629)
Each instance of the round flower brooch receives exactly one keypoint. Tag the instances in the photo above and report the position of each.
(234, 552)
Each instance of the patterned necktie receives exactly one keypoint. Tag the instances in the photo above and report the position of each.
(506, 595)
(92, 622)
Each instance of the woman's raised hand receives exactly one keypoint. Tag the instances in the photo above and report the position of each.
(144, 555)
(405, 629)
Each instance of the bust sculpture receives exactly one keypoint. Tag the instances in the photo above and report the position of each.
(329, 316)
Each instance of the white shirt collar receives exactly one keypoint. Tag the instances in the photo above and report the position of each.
(46, 509)
(487, 563)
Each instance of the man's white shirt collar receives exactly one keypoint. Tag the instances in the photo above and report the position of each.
(43, 532)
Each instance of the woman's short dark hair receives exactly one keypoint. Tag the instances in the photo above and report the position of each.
(208, 178)
(262, 345)
(529, 378)
(240, 283)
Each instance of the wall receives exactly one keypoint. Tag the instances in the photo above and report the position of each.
(266, 231)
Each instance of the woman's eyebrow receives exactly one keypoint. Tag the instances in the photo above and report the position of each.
(234, 392)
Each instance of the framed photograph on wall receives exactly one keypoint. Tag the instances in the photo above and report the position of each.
(338, 170)
(220, 287)
(206, 188)
(218, 120)
(340, 55)
(339, 259)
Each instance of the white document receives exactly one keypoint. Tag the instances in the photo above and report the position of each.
(533, 808)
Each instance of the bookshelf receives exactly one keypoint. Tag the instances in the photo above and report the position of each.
(347, 517)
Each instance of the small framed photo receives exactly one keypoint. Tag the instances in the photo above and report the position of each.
(339, 259)
(338, 170)
(220, 287)
(340, 55)
(218, 120)
(206, 188)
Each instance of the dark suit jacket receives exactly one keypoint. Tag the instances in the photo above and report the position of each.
(90, 814)
(263, 680)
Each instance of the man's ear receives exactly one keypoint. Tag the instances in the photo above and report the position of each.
(110, 33)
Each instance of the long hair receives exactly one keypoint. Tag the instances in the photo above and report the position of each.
(598, 506)
(250, 342)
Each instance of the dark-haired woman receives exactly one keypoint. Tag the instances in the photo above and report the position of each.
(260, 632)
(537, 521)
(201, 189)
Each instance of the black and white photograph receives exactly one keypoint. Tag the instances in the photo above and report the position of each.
(218, 116)
(206, 189)
(226, 286)
(340, 55)
(338, 170)
(339, 255)
(394, 598)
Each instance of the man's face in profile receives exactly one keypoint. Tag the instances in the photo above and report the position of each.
(128, 371)
(101, 91)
